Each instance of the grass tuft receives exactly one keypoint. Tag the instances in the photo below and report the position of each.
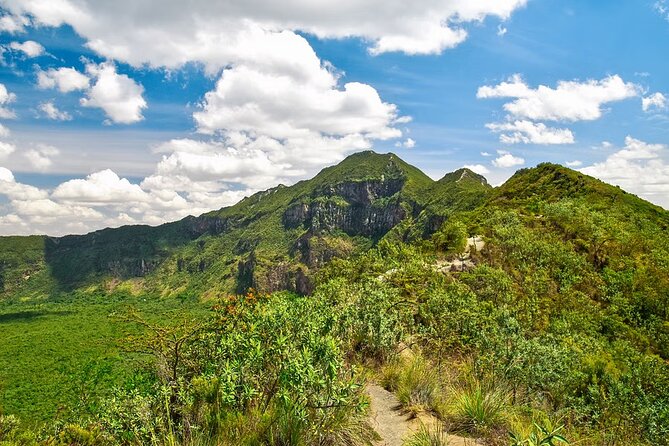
(428, 436)
(479, 407)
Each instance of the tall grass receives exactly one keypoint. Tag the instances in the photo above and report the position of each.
(478, 407)
(416, 383)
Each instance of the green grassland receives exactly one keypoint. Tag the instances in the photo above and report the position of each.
(62, 355)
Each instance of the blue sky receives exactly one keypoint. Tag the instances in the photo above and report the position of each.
(171, 116)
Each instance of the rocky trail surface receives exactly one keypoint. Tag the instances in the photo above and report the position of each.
(464, 261)
(394, 425)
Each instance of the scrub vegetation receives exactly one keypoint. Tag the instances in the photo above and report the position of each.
(263, 323)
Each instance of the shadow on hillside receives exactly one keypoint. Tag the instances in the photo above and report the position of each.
(125, 252)
(29, 315)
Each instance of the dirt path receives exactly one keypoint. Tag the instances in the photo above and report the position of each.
(394, 426)
(465, 260)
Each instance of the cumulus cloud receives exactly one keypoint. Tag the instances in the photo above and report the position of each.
(6, 98)
(17, 191)
(287, 106)
(64, 79)
(406, 144)
(639, 167)
(30, 48)
(125, 31)
(569, 101)
(100, 187)
(477, 168)
(575, 163)
(40, 157)
(4, 131)
(119, 96)
(50, 110)
(281, 122)
(103, 199)
(506, 159)
(523, 131)
(654, 102)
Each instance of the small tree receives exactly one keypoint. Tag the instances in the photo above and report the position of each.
(451, 238)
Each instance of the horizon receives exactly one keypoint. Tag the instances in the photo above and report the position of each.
(111, 115)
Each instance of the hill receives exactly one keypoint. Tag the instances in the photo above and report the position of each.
(269, 241)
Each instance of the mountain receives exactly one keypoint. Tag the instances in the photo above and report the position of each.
(277, 239)
(271, 240)
(549, 182)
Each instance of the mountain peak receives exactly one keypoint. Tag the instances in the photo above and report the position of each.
(366, 165)
(464, 175)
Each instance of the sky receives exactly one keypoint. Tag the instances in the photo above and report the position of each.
(129, 112)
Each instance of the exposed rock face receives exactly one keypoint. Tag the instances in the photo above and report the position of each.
(315, 251)
(365, 208)
(364, 192)
(270, 275)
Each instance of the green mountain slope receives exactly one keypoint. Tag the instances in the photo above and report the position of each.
(552, 182)
(277, 239)
(271, 240)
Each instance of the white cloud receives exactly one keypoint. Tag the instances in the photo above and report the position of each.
(501, 30)
(125, 31)
(289, 106)
(638, 167)
(48, 210)
(40, 157)
(523, 131)
(506, 160)
(17, 191)
(64, 79)
(569, 101)
(30, 48)
(52, 112)
(119, 96)
(6, 175)
(575, 163)
(477, 168)
(285, 122)
(13, 24)
(100, 187)
(662, 8)
(248, 166)
(6, 98)
(656, 101)
(406, 144)
(486, 154)
(6, 149)
(4, 131)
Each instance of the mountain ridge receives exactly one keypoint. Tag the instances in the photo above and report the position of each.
(275, 239)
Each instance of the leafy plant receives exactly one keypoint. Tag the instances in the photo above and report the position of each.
(539, 436)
